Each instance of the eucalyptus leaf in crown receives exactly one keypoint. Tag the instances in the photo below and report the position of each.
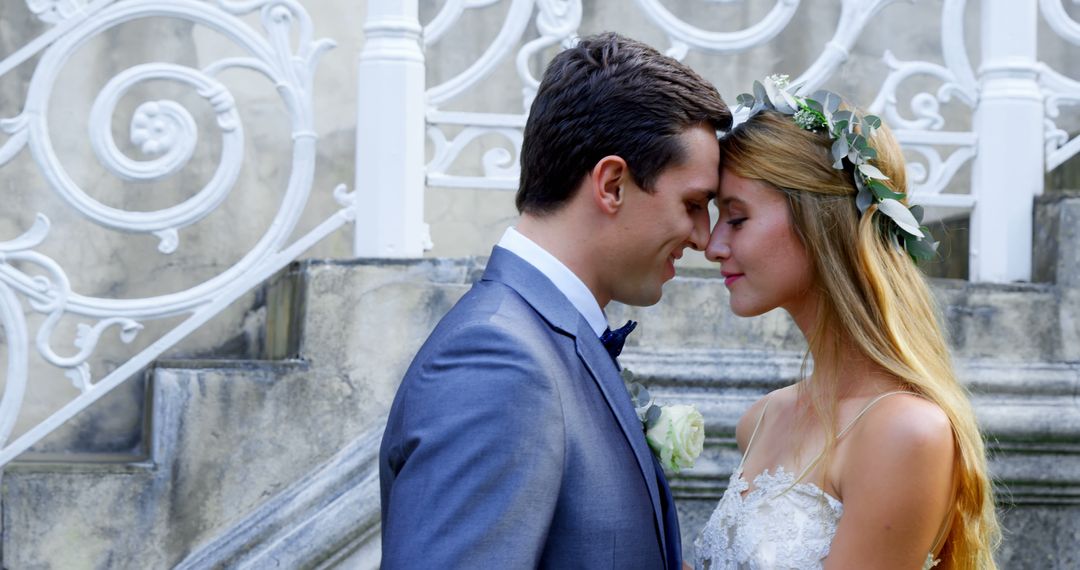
(850, 133)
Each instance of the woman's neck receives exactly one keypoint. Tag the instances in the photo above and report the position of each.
(855, 374)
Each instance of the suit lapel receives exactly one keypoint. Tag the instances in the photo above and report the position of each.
(603, 370)
(559, 312)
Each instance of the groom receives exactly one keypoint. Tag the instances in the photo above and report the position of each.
(512, 442)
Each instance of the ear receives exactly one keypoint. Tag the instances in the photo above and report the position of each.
(607, 181)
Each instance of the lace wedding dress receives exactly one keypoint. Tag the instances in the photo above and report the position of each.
(780, 524)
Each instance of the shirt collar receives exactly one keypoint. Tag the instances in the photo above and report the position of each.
(565, 280)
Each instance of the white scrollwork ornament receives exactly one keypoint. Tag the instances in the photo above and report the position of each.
(16, 127)
(957, 76)
(1058, 19)
(499, 164)
(16, 339)
(855, 15)
(165, 135)
(1058, 89)
(157, 127)
(55, 11)
(923, 133)
(682, 34)
(925, 106)
(517, 20)
(558, 22)
(926, 181)
(13, 322)
(166, 132)
(1059, 147)
(50, 295)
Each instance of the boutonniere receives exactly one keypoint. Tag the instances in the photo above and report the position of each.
(675, 433)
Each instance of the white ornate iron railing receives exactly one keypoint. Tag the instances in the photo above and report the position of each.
(1013, 98)
(166, 132)
(1008, 157)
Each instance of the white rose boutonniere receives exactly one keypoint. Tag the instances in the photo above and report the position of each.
(676, 433)
(677, 436)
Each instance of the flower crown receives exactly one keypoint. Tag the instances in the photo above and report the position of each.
(850, 133)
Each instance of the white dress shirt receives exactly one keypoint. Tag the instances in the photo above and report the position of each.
(565, 280)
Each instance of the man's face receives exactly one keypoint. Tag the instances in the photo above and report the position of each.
(655, 228)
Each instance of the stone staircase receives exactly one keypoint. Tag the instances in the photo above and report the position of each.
(232, 479)
(271, 462)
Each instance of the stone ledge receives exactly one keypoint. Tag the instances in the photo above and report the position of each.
(225, 441)
(332, 510)
(1030, 414)
(405, 298)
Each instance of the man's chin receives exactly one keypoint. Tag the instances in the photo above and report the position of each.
(641, 298)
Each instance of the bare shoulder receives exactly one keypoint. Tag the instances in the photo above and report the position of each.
(776, 400)
(903, 437)
(906, 423)
(895, 482)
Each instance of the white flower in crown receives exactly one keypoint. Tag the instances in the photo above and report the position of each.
(776, 87)
(851, 137)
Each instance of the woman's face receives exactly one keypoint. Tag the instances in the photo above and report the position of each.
(763, 262)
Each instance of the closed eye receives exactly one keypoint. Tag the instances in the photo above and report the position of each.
(736, 222)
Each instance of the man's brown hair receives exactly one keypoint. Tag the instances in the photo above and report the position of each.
(610, 95)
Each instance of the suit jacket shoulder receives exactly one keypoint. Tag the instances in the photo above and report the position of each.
(503, 447)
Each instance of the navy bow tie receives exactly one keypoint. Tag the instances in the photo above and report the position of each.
(613, 340)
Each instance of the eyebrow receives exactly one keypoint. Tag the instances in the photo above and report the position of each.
(707, 195)
(729, 199)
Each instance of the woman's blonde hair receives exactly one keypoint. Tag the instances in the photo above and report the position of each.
(874, 298)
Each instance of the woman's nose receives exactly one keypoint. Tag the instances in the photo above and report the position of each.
(718, 249)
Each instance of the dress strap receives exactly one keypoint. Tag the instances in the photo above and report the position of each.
(867, 407)
(943, 532)
(750, 443)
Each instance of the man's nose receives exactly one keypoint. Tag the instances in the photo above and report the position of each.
(699, 237)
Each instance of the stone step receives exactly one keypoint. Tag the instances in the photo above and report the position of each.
(1007, 322)
(344, 316)
(1015, 400)
(1016, 347)
(1029, 412)
(250, 462)
(327, 519)
(397, 303)
(235, 445)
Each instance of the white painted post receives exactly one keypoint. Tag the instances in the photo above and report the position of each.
(390, 134)
(1009, 164)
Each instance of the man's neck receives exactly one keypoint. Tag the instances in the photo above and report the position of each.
(557, 236)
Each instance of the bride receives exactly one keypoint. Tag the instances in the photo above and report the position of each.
(875, 459)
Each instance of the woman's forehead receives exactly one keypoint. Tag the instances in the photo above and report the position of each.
(735, 189)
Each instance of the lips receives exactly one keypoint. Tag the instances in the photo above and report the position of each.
(671, 259)
(730, 278)
(669, 268)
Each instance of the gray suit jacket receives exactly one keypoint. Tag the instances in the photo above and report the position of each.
(512, 443)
